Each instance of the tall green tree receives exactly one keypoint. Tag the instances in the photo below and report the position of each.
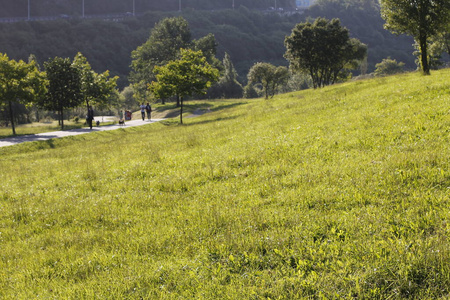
(324, 50)
(422, 19)
(95, 88)
(190, 75)
(269, 76)
(165, 41)
(164, 44)
(19, 82)
(65, 87)
(228, 86)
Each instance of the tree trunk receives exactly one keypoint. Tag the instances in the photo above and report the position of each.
(62, 119)
(181, 109)
(178, 101)
(266, 90)
(424, 53)
(11, 118)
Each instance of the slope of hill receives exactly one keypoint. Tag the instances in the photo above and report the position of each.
(341, 192)
(103, 7)
(248, 36)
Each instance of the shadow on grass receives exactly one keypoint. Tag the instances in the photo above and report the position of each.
(211, 121)
(43, 129)
(198, 110)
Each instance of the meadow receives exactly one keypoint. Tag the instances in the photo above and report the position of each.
(337, 193)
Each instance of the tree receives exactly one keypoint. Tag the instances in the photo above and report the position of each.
(65, 87)
(95, 88)
(324, 50)
(228, 86)
(437, 45)
(164, 44)
(187, 76)
(208, 46)
(165, 41)
(270, 76)
(422, 19)
(388, 66)
(127, 98)
(19, 82)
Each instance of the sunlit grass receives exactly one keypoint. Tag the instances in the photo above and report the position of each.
(42, 127)
(341, 192)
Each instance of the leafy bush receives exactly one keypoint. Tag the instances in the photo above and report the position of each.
(388, 66)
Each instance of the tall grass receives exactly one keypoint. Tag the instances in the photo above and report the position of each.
(336, 193)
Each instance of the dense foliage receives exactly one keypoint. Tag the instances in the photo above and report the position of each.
(189, 75)
(163, 45)
(388, 66)
(421, 19)
(228, 86)
(323, 50)
(363, 19)
(64, 88)
(269, 77)
(67, 7)
(247, 36)
(20, 82)
(95, 88)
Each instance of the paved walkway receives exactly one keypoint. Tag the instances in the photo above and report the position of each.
(59, 134)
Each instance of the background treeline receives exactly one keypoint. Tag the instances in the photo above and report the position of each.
(56, 7)
(248, 36)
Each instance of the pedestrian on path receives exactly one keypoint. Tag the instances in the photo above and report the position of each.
(90, 116)
(121, 119)
(148, 109)
(143, 111)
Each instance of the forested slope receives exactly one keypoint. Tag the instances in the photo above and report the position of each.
(249, 36)
(56, 7)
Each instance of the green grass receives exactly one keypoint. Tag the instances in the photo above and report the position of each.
(39, 127)
(338, 193)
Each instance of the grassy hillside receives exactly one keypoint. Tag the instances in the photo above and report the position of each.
(336, 193)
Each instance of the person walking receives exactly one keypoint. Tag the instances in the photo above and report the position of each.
(148, 109)
(143, 111)
(90, 116)
(121, 118)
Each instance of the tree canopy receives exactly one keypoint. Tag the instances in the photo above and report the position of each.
(324, 50)
(269, 76)
(189, 75)
(228, 86)
(422, 19)
(95, 88)
(65, 88)
(19, 82)
(165, 41)
(388, 66)
(164, 44)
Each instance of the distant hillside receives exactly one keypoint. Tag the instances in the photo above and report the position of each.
(249, 36)
(73, 8)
